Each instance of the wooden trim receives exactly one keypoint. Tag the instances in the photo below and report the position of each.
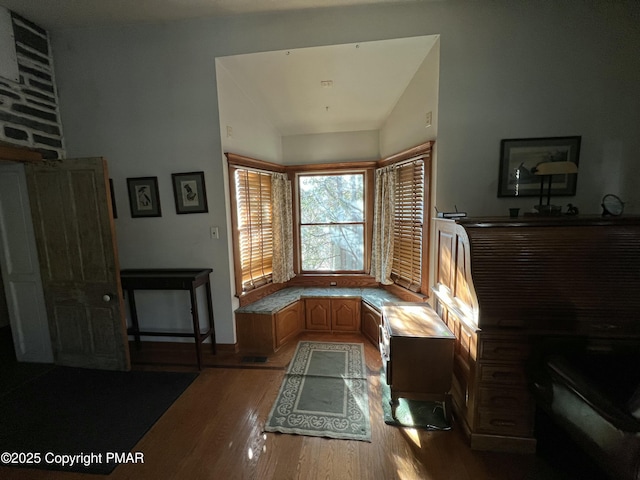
(406, 295)
(18, 154)
(242, 161)
(422, 149)
(328, 167)
(260, 292)
(340, 280)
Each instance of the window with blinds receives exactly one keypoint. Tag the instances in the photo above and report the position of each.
(255, 233)
(406, 269)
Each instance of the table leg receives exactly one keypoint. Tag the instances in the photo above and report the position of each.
(211, 321)
(196, 324)
(134, 317)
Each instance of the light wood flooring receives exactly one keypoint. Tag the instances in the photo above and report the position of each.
(214, 431)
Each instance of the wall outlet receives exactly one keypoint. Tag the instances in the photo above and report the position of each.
(215, 234)
(333, 284)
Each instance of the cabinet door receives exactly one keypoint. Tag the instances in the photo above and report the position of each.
(371, 320)
(288, 323)
(345, 314)
(318, 314)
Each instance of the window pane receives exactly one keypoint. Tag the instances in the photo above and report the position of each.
(331, 198)
(332, 247)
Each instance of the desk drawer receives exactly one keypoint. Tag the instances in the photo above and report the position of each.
(509, 399)
(502, 374)
(504, 422)
(503, 350)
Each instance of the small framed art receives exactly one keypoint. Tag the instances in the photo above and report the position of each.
(189, 192)
(520, 156)
(144, 199)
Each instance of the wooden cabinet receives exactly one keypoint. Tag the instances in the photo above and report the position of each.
(417, 352)
(371, 321)
(332, 314)
(265, 333)
(289, 322)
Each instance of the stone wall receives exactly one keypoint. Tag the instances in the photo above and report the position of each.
(29, 108)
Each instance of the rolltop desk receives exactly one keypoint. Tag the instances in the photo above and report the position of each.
(506, 287)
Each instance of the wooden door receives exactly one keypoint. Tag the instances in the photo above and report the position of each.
(345, 314)
(371, 321)
(75, 235)
(318, 314)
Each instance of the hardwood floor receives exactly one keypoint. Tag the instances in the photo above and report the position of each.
(214, 431)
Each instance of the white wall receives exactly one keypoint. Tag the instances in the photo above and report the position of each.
(145, 97)
(331, 147)
(406, 124)
(252, 134)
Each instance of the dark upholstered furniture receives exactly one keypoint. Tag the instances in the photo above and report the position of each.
(595, 398)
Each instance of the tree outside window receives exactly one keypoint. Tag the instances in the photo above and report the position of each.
(332, 222)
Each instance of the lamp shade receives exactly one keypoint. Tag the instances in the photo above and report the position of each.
(555, 168)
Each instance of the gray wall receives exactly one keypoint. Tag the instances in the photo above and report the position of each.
(145, 98)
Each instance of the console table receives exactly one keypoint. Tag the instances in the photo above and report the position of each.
(171, 279)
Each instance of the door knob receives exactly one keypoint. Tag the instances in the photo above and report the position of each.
(106, 298)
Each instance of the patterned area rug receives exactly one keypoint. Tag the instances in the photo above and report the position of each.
(324, 393)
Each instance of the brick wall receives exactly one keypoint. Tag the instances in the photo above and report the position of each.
(29, 108)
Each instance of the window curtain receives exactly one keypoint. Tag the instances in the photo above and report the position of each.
(282, 228)
(383, 214)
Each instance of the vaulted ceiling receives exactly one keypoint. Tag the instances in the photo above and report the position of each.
(51, 14)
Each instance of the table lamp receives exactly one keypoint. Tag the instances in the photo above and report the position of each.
(547, 170)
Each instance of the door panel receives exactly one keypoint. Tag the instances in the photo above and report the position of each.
(21, 270)
(78, 259)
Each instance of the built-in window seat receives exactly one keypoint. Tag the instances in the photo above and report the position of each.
(267, 324)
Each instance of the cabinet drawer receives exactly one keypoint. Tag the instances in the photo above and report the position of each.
(503, 422)
(511, 399)
(503, 350)
(502, 374)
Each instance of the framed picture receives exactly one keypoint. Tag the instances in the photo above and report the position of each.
(519, 157)
(113, 199)
(144, 199)
(189, 192)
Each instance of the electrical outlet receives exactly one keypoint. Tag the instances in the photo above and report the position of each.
(214, 233)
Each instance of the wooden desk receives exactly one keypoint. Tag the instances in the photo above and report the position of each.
(171, 279)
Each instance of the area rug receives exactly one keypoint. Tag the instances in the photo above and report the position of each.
(324, 393)
(412, 413)
(79, 412)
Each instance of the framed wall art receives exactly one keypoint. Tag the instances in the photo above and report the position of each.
(144, 199)
(520, 156)
(189, 192)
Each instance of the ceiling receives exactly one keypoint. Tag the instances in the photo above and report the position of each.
(366, 81)
(367, 78)
(52, 14)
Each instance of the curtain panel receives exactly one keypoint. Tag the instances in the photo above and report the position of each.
(382, 247)
(282, 228)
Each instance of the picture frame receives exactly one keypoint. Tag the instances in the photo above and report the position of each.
(519, 156)
(144, 198)
(189, 192)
